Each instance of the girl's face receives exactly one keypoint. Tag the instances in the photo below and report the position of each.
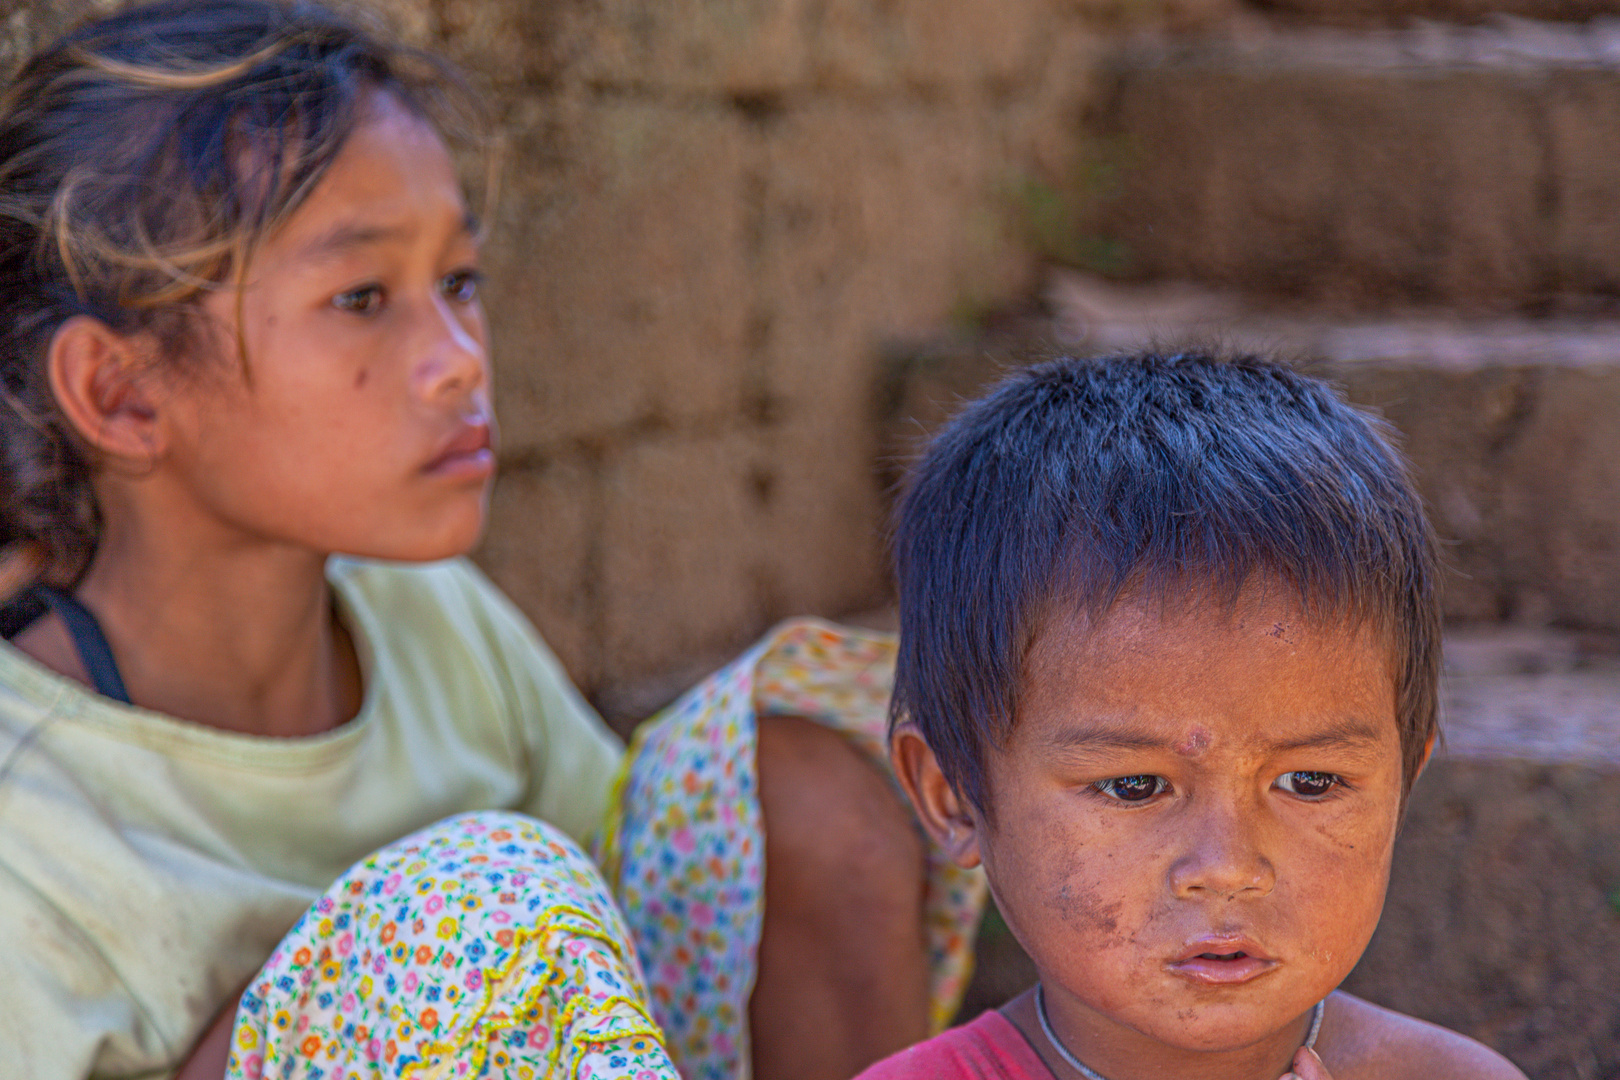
(362, 424)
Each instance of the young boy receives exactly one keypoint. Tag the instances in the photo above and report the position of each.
(1169, 650)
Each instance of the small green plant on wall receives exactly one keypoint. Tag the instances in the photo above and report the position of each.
(1064, 221)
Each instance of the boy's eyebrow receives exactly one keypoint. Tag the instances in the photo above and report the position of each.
(346, 237)
(1348, 733)
(1345, 733)
(1108, 737)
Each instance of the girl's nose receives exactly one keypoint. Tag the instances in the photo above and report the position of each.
(1224, 856)
(453, 360)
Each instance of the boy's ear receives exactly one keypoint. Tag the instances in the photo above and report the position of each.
(943, 813)
(101, 381)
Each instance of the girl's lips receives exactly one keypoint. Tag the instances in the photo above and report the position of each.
(1222, 962)
(470, 454)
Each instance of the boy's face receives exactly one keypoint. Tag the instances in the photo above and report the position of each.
(1193, 818)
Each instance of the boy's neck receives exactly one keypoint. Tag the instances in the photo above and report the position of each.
(1116, 1052)
(221, 630)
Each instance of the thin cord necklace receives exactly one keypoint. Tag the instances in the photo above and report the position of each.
(1091, 1074)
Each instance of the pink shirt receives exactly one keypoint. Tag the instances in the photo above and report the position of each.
(989, 1048)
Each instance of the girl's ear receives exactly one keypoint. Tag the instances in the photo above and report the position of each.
(101, 381)
(947, 817)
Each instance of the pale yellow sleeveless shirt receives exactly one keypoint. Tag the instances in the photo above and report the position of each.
(149, 865)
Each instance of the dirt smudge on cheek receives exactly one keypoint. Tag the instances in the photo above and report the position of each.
(1084, 909)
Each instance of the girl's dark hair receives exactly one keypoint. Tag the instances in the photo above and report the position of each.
(1076, 481)
(143, 157)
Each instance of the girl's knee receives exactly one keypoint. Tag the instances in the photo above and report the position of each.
(836, 827)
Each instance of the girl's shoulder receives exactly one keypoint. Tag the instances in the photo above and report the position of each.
(1368, 1042)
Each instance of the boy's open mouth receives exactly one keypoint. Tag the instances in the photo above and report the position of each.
(1224, 963)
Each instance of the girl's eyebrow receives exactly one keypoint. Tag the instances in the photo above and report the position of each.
(341, 239)
(347, 236)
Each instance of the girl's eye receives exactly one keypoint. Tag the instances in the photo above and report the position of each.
(461, 285)
(1312, 785)
(1132, 788)
(366, 300)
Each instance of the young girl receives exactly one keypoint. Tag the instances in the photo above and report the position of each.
(252, 704)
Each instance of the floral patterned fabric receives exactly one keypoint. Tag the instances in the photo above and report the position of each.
(684, 849)
(489, 945)
(485, 946)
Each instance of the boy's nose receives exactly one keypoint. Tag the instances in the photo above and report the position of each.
(1223, 858)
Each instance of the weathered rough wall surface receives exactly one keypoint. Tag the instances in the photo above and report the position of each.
(1519, 467)
(1500, 921)
(1401, 12)
(714, 212)
(1509, 426)
(1461, 166)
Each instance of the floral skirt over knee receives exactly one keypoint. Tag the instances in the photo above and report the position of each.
(484, 946)
(490, 946)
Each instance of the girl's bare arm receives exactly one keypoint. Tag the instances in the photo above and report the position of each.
(207, 1059)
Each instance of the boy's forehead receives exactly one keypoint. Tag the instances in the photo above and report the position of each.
(1202, 618)
(1163, 672)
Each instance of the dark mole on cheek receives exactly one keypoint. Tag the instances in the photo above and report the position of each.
(360, 377)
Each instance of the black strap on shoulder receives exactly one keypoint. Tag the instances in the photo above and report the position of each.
(94, 652)
(20, 612)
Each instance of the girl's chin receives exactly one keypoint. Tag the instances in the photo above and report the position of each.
(452, 539)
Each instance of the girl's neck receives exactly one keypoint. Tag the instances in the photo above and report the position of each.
(232, 632)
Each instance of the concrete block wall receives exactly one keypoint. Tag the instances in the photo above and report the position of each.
(714, 214)
(1443, 165)
(1363, 13)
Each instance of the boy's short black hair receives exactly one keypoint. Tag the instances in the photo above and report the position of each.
(1074, 481)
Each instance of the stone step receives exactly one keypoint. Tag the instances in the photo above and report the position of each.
(1512, 424)
(1362, 13)
(1501, 920)
(1531, 694)
(1441, 165)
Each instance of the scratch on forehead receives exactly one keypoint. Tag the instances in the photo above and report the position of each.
(1195, 742)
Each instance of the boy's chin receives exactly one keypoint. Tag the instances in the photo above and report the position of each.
(1227, 1027)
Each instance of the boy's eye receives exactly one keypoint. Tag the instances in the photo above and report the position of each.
(461, 285)
(1132, 788)
(1308, 784)
(366, 300)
